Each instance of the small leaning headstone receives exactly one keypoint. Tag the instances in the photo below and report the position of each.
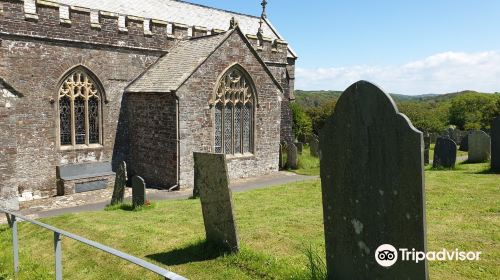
(495, 145)
(211, 179)
(372, 179)
(292, 159)
(120, 184)
(138, 191)
(479, 146)
(445, 153)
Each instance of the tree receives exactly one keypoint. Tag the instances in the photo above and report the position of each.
(302, 125)
(473, 111)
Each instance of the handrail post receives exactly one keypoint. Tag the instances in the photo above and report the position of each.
(15, 246)
(58, 255)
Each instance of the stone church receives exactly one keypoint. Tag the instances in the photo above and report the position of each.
(87, 84)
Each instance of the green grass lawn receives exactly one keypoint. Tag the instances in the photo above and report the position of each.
(276, 226)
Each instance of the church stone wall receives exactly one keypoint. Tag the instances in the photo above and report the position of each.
(35, 68)
(8, 150)
(152, 123)
(196, 116)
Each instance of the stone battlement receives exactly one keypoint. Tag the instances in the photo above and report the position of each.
(55, 21)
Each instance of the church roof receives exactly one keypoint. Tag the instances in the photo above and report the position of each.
(169, 72)
(181, 12)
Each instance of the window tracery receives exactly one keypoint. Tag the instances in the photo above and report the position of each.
(233, 117)
(79, 110)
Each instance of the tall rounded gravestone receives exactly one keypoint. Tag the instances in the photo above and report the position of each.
(373, 186)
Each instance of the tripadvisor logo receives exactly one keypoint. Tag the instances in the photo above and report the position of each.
(387, 255)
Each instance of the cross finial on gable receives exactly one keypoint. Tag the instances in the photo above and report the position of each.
(260, 32)
(264, 4)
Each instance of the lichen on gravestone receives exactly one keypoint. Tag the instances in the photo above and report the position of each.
(120, 184)
(212, 181)
(372, 179)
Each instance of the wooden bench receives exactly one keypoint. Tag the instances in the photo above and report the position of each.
(77, 178)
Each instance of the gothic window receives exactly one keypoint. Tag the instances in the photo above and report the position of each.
(79, 110)
(234, 109)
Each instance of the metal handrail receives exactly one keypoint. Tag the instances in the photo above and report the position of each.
(168, 275)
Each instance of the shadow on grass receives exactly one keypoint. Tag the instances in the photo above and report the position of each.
(195, 252)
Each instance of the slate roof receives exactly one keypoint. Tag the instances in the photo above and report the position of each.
(180, 12)
(169, 72)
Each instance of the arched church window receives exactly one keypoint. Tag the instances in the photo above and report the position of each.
(79, 110)
(234, 106)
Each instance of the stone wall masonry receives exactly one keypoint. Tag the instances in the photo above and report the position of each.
(152, 138)
(35, 69)
(8, 148)
(196, 116)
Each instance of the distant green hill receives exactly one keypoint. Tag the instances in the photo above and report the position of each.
(314, 99)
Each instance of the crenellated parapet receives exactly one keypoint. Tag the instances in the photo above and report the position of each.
(50, 20)
(271, 50)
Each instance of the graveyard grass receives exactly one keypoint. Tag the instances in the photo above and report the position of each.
(277, 227)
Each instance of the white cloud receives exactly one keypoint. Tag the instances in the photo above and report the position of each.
(441, 73)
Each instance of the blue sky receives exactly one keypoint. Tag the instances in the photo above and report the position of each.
(406, 46)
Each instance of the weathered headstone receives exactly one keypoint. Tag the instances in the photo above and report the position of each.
(300, 147)
(120, 184)
(292, 158)
(427, 147)
(211, 178)
(479, 146)
(445, 153)
(372, 183)
(138, 191)
(495, 145)
(314, 145)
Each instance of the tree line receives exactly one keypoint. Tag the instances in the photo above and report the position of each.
(466, 110)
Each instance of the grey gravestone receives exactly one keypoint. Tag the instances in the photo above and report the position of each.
(292, 160)
(282, 160)
(120, 184)
(495, 145)
(372, 183)
(314, 145)
(479, 146)
(445, 153)
(211, 178)
(427, 147)
(464, 145)
(138, 191)
(300, 147)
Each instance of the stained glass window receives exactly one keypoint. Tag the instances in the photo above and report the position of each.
(234, 106)
(228, 129)
(218, 128)
(79, 110)
(65, 120)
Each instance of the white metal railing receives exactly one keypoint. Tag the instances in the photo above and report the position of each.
(58, 233)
